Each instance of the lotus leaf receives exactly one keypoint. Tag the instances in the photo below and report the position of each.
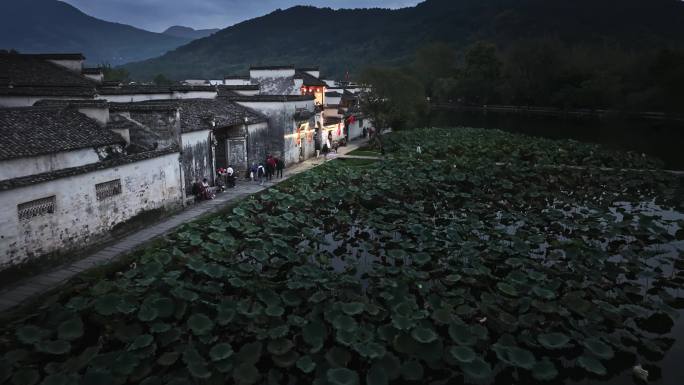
(199, 370)
(200, 324)
(142, 341)
(221, 351)
(160, 327)
(461, 334)
(507, 289)
(124, 364)
(424, 335)
(514, 356)
(31, 334)
(279, 347)
(592, 365)
(463, 354)
(338, 357)
(98, 377)
(250, 353)
(598, 348)
(306, 364)
(345, 323)
(544, 370)
(57, 347)
(352, 308)
(377, 375)
(412, 371)
(107, 304)
(477, 371)
(168, 358)
(553, 340)
(342, 376)
(60, 379)
(275, 311)
(314, 334)
(285, 360)
(25, 377)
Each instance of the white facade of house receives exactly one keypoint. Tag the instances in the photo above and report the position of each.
(142, 97)
(79, 217)
(16, 168)
(236, 82)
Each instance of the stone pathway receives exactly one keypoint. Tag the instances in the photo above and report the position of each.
(31, 287)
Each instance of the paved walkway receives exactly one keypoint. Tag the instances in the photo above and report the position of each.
(23, 290)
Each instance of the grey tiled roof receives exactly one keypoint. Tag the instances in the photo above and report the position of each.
(92, 71)
(272, 67)
(197, 114)
(33, 131)
(34, 71)
(333, 94)
(310, 80)
(273, 98)
(151, 89)
(31, 180)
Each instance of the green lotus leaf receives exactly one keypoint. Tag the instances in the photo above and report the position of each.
(14, 356)
(246, 374)
(291, 298)
(461, 334)
(338, 357)
(199, 370)
(514, 356)
(107, 304)
(250, 353)
(98, 377)
(60, 379)
(314, 333)
(599, 348)
(544, 293)
(463, 354)
(142, 341)
(423, 335)
(168, 358)
(279, 346)
(274, 311)
(412, 371)
(239, 212)
(285, 360)
(160, 327)
(345, 323)
(352, 308)
(507, 289)
(592, 365)
(477, 371)
(544, 370)
(31, 334)
(192, 356)
(165, 307)
(124, 364)
(200, 324)
(306, 364)
(25, 377)
(126, 307)
(376, 375)
(184, 294)
(370, 350)
(279, 331)
(221, 351)
(553, 340)
(318, 297)
(342, 376)
(401, 322)
(57, 347)
(147, 313)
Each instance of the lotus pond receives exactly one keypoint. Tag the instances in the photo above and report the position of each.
(482, 260)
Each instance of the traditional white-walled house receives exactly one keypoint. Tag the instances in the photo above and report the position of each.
(132, 94)
(26, 79)
(237, 80)
(66, 180)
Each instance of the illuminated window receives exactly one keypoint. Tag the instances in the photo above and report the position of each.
(36, 208)
(108, 189)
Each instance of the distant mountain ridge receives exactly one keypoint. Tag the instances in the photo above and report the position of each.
(189, 33)
(37, 26)
(346, 40)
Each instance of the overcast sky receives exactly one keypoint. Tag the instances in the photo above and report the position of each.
(157, 15)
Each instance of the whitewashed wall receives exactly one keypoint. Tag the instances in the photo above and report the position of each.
(237, 82)
(275, 73)
(74, 65)
(79, 217)
(194, 95)
(333, 100)
(131, 98)
(15, 168)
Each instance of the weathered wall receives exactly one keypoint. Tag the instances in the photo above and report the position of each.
(15, 168)
(282, 131)
(79, 217)
(197, 158)
(162, 127)
(237, 82)
(257, 139)
(333, 100)
(194, 95)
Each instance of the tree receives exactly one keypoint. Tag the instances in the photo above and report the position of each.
(434, 62)
(114, 74)
(395, 99)
(162, 80)
(480, 76)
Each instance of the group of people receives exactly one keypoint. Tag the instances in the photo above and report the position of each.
(267, 170)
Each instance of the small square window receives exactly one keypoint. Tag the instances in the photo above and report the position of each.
(36, 208)
(108, 189)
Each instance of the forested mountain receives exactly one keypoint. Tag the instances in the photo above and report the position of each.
(39, 26)
(189, 33)
(347, 40)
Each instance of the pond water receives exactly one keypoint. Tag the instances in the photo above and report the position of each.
(658, 138)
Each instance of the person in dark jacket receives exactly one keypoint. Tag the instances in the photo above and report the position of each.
(280, 166)
(270, 166)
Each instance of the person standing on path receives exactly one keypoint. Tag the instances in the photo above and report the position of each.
(280, 165)
(261, 172)
(271, 166)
